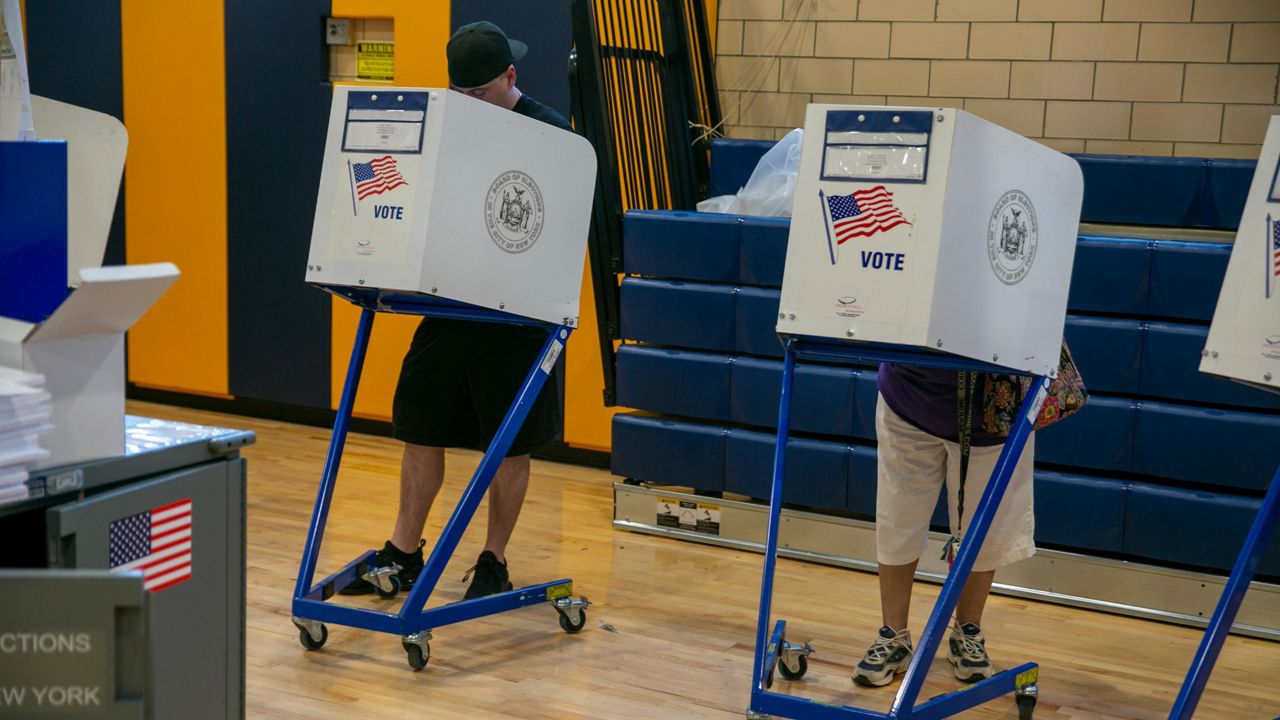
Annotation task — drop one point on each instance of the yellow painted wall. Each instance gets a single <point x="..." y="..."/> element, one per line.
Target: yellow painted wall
<point x="421" y="31"/>
<point x="176" y="188"/>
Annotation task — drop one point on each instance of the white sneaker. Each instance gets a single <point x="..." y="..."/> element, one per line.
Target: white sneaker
<point x="967" y="650"/>
<point x="887" y="656"/>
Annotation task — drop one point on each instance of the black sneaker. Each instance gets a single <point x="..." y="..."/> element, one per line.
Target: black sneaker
<point x="488" y="577"/>
<point x="406" y="566"/>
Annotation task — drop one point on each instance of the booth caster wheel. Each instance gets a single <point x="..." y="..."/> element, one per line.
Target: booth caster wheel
<point x="572" y="612"/>
<point x="792" y="661"/>
<point x="417" y="648"/>
<point x="385" y="580"/>
<point x="1026" y="706"/>
<point x="392" y="589"/>
<point x="568" y="625"/>
<point x="311" y="634"/>
<point x="801" y="667"/>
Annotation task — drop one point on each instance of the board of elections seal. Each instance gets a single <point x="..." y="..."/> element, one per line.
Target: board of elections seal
<point x="1012" y="236"/>
<point x="513" y="211"/>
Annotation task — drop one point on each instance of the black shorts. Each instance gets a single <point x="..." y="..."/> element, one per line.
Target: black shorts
<point x="459" y="379"/>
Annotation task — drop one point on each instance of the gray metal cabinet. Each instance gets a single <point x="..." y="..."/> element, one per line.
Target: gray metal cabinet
<point x="174" y="478"/>
<point x="198" y="622"/>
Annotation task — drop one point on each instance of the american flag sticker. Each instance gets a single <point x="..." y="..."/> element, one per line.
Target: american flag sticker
<point x="862" y="213"/>
<point x="155" y="541"/>
<point x="375" y="177"/>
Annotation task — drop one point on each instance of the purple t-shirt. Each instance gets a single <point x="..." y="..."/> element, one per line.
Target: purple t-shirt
<point x="927" y="398"/>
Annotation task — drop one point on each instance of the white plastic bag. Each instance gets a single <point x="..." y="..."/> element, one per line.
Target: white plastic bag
<point x="771" y="189"/>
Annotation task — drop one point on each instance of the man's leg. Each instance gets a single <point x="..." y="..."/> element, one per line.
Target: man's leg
<point x="421" y="475"/>
<point x="895" y="593"/>
<point x="910" y="468"/>
<point x="974" y="597"/>
<point x="506" y="497"/>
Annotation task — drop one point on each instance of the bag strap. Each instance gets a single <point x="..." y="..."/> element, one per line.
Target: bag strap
<point x="966" y="383"/>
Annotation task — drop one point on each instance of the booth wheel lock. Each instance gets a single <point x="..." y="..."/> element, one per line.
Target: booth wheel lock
<point x="793" y="660"/>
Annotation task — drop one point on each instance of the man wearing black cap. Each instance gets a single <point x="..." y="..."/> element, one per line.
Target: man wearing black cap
<point x="481" y="64"/>
<point x="459" y="378"/>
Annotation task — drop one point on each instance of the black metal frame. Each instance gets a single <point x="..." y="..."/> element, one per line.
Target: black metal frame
<point x="642" y="90"/>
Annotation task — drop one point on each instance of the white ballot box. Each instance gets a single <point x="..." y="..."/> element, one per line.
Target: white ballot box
<point x="1244" y="339"/>
<point x="931" y="228"/>
<point x="79" y="350"/>
<point x="431" y="191"/>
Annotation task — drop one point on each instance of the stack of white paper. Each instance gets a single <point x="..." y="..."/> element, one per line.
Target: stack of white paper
<point x="25" y="410"/>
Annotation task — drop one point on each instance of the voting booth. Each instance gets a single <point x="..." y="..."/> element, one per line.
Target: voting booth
<point x="924" y="237"/>
<point x="1244" y="339"/>
<point x="433" y="203"/>
<point x="1244" y="345"/>
<point x="431" y="191"/>
<point x="931" y="228"/>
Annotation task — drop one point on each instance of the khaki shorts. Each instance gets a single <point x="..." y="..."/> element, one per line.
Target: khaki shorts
<point x="911" y="468"/>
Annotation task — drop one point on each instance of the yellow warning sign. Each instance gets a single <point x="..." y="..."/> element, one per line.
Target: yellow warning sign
<point x="559" y="591"/>
<point x="376" y="61"/>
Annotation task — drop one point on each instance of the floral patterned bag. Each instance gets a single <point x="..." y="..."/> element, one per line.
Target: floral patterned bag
<point x="1002" y="396"/>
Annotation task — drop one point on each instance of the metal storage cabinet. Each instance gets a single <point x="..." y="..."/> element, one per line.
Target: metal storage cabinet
<point x="198" y="623"/>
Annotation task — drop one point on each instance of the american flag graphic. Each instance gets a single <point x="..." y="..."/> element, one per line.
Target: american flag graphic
<point x="1273" y="257"/>
<point x="157" y="542"/>
<point x="376" y="176"/>
<point x="863" y="213"/>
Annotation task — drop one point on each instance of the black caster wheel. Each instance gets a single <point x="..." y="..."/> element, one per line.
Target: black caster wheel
<point x="570" y="626"/>
<point x="311" y="643"/>
<point x="395" y="588"/>
<point x="418" y="655"/>
<point x="802" y="667"/>
<point x="1026" y="706"/>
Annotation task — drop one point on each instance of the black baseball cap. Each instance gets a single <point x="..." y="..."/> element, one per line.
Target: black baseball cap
<point x="479" y="52"/>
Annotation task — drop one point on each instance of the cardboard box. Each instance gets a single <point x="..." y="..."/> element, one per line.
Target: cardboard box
<point x="80" y="351"/>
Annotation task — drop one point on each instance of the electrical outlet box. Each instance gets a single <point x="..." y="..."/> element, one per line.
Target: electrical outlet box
<point x="337" y="31"/>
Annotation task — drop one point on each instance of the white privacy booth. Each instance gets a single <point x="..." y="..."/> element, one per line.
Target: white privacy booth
<point x="1244" y="345"/>
<point x="931" y="228"/>
<point x="1244" y="338"/>
<point x="433" y="203"/>
<point x="431" y="191"/>
<point x="928" y="237"/>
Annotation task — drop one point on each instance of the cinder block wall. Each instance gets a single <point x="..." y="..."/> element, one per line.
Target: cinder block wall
<point x="1141" y="77"/>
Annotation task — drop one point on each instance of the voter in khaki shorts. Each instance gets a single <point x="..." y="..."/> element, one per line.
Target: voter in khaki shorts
<point x="459" y="377"/>
<point x="918" y="448"/>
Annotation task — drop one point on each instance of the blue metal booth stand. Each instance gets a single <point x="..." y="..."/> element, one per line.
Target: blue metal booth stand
<point x="413" y="623"/>
<point x="773" y="652"/>
<point x="1264" y="526"/>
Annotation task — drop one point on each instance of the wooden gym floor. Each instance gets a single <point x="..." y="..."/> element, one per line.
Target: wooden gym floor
<point x="671" y="630"/>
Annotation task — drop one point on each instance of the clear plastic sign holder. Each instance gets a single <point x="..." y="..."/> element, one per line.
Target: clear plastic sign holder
<point x="774" y="653"/>
<point x="413" y="623"/>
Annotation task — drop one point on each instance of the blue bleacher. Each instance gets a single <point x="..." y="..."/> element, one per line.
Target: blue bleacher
<point x="1158" y="442"/>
